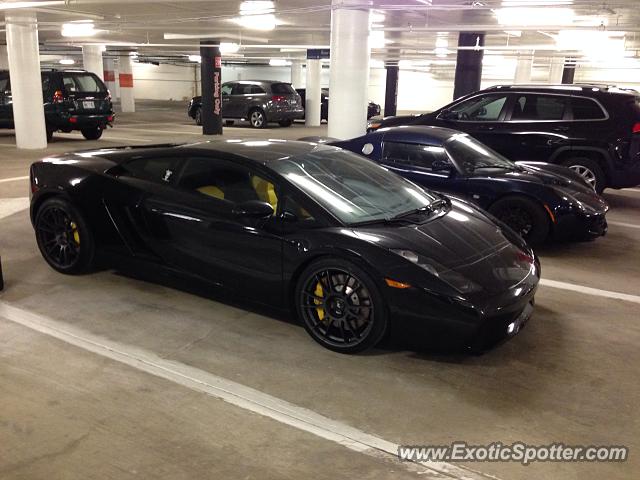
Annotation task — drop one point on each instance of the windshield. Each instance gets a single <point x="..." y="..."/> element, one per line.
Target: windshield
<point x="351" y="187"/>
<point x="471" y="155"/>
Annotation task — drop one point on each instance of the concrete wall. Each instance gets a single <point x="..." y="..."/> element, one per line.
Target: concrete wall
<point x="164" y="82"/>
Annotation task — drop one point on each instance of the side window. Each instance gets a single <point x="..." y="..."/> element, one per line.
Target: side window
<point x="586" y="109"/>
<point x="256" y="89"/>
<point x="226" y="89"/>
<point x="422" y="156"/>
<point x="159" y="170"/>
<point x="293" y="211"/>
<point x="228" y="181"/>
<point x="486" y="108"/>
<point x="237" y="89"/>
<point x="5" y="88"/>
<point x="539" y="107"/>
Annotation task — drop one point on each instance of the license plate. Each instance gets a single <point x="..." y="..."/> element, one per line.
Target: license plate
<point x="88" y="104"/>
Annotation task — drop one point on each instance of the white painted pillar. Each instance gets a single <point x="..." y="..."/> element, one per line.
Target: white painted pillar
<point x="349" y="75"/>
<point x="92" y="59"/>
<point x="26" y="84"/>
<point x="125" y="79"/>
<point x="4" y="58"/>
<point x="296" y="74"/>
<point x="524" y="65"/>
<point x="312" y="107"/>
<point x="110" y="76"/>
<point x="555" y="70"/>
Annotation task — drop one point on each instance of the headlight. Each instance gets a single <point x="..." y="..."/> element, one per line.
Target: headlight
<point x="451" y="277"/>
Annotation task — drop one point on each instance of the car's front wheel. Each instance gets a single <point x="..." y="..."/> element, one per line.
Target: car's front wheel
<point x="526" y="217"/>
<point x="589" y="170"/>
<point x="257" y="118"/>
<point x="340" y="306"/>
<point x="92" y="133"/>
<point x="64" y="237"/>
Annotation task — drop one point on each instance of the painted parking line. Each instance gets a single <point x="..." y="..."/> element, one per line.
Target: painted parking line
<point x="637" y="190"/>
<point x="153" y="131"/>
<point x="590" y="291"/>
<point x="10" y="206"/>
<point x="623" y="224"/>
<point x="235" y="394"/>
<point x="14" y="179"/>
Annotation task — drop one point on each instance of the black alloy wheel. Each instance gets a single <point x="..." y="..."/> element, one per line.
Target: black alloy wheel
<point x="63" y="237"/>
<point x="340" y="306"/>
<point x="92" y="133"/>
<point x="524" y="216"/>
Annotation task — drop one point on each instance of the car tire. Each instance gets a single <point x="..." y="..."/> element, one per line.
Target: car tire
<point x="64" y="237"/>
<point x="285" y="123"/>
<point x="524" y="216"/>
<point x="49" y="135"/>
<point x="92" y="133"/>
<point x="346" y="317"/>
<point x="198" y="116"/>
<point x="589" y="170"/>
<point x="257" y="118"/>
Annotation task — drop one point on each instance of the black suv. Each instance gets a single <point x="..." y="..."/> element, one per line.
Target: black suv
<point x="593" y="129"/>
<point x="73" y="100"/>
<point x="258" y="101"/>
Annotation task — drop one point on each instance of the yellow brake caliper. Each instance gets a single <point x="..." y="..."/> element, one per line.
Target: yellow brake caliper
<point x="76" y="234"/>
<point x="319" y="293"/>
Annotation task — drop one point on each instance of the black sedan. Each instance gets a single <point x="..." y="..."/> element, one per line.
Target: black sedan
<point x="537" y="200"/>
<point x="354" y="248"/>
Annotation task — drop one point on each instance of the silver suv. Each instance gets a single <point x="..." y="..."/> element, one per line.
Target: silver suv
<point x="258" y="101"/>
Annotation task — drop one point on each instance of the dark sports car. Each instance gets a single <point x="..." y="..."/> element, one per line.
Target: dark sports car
<point x="354" y="248"/>
<point x="537" y="200"/>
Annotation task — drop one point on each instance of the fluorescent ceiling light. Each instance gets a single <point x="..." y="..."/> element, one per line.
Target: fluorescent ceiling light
<point x="279" y="62"/>
<point x="256" y="7"/>
<point x="229" y="47"/>
<point x="442" y="43"/>
<point x="522" y="16"/>
<point x="195" y="58"/>
<point x="377" y="39"/>
<point x="78" y="29"/>
<point x="257" y="22"/>
<point x="14" y="5"/>
<point x="67" y="61"/>
<point x="595" y="44"/>
<point x="375" y="63"/>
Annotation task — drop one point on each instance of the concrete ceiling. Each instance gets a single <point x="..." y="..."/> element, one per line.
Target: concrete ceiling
<point x="413" y="29"/>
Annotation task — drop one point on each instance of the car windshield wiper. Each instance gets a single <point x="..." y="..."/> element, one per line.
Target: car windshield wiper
<point x="431" y="208"/>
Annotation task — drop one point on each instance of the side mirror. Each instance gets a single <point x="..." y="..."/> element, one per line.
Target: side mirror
<point x="447" y="115"/>
<point x="253" y="209"/>
<point x="441" y="165"/>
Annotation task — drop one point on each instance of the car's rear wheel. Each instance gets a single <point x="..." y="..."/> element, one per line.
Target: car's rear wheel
<point x="49" y="135"/>
<point x="589" y="170"/>
<point x="526" y="217"/>
<point x="198" y="116"/>
<point x="257" y="118"/>
<point x="340" y="306"/>
<point x="285" y="123"/>
<point x="64" y="237"/>
<point x="92" y="133"/>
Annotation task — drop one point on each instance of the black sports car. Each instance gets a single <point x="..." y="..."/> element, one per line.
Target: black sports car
<point x="537" y="200"/>
<point x="353" y="247"/>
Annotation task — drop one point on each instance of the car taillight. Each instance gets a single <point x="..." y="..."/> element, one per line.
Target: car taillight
<point x="277" y="98"/>
<point x="58" y="97"/>
<point x="636" y="128"/>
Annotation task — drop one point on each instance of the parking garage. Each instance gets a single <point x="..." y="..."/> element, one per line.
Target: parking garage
<point x="178" y="361"/>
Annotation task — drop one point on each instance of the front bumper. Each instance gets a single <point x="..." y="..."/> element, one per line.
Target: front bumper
<point x="581" y="226"/>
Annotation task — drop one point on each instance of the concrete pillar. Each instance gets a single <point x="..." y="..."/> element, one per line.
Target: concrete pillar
<point x="92" y="59"/>
<point x="391" y="91"/>
<point x="296" y="74"/>
<point x="313" y="100"/>
<point x="569" y="71"/>
<point x="468" y="64"/>
<point x="109" y="76"/>
<point x="125" y="80"/>
<point x="26" y="82"/>
<point x="349" y="74"/>
<point x="4" y="58"/>
<point x="524" y="65"/>
<point x="556" y="69"/>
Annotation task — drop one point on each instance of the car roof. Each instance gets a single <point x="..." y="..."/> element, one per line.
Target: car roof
<point x="259" y="82"/>
<point x="418" y="133"/>
<point x="589" y="89"/>
<point x="263" y="151"/>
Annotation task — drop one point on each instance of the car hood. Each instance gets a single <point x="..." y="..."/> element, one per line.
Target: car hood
<point x="466" y="242"/>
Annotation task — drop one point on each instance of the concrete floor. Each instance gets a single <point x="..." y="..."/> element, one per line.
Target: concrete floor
<point x="66" y="413"/>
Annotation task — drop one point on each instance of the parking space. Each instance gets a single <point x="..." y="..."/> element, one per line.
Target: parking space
<point x="79" y="410"/>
